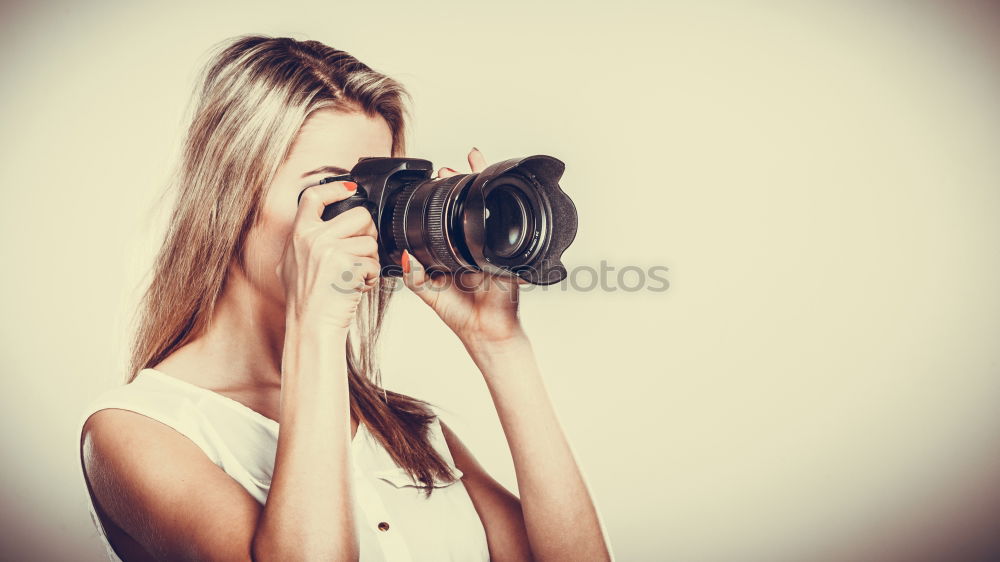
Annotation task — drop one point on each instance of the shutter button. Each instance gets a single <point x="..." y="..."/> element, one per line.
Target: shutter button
<point x="383" y="526"/>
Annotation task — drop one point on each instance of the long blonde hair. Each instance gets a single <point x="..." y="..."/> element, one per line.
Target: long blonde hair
<point x="252" y="97"/>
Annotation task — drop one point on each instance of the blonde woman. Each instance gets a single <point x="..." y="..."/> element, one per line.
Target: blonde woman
<point x="239" y="330"/>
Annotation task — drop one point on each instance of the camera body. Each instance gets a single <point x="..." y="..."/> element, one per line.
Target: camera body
<point x="510" y="219"/>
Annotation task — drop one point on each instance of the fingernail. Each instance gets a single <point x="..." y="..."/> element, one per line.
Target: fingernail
<point x="350" y="185"/>
<point x="450" y="170"/>
<point x="476" y="149"/>
<point x="406" y="261"/>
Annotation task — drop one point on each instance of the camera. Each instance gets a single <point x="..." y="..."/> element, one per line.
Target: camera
<point x="511" y="219"/>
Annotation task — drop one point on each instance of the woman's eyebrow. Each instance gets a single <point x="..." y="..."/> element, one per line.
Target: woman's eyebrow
<point x="327" y="169"/>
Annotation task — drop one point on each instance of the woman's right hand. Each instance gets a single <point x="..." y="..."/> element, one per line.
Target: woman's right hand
<point x="327" y="266"/>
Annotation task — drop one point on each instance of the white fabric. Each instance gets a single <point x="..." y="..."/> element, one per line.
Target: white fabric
<point x="243" y="443"/>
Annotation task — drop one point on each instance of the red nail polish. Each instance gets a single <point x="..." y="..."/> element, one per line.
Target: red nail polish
<point x="450" y="170"/>
<point x="406" y="261"/>
<point x="350" y="185"/>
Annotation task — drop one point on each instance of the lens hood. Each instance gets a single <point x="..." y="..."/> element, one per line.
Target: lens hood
<point x="552" y="228"/>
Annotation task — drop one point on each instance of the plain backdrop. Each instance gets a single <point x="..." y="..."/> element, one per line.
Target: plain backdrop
<point x="820" y="180"/>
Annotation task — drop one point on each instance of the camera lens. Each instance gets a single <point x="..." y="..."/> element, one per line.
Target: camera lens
<point x="457" y="223"/>
<point x="425" y="220"/>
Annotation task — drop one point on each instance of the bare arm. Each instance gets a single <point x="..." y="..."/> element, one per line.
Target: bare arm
<point x="497" y="507"/>
<point x="309" y="513"/>
<point x="555" y="515"/>
<point x="163" y="491"/>
<point x="310" y="508"/>
<point x="560" y="520"/>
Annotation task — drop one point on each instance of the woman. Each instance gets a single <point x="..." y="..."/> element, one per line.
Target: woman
<point x="242" y="327"/>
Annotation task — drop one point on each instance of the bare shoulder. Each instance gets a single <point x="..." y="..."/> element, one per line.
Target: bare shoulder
<point x="110" y="431"/>
<point x="115" y="442"/>
<point x="153" y="483"/>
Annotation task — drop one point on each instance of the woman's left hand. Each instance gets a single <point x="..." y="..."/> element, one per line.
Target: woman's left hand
<point x="478" y="307"/>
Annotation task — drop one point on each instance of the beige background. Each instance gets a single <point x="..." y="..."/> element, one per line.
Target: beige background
<point x="820" y="178"/>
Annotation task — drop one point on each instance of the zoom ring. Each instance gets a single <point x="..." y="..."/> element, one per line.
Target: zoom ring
<point x="436" y="225"/>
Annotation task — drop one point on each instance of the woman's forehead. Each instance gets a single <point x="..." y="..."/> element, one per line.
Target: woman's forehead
<point x="339" y="138"/>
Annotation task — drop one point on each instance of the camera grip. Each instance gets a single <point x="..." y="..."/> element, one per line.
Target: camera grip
<point x="358" y="199"/>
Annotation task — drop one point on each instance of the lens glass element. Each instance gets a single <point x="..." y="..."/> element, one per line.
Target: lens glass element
<point x="508" y="220"/>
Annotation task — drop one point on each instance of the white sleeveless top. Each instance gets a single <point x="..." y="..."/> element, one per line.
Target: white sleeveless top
<point x="395" y="522"/>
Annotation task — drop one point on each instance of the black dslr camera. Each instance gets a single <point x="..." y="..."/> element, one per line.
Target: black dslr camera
<point x="510" y="219"/>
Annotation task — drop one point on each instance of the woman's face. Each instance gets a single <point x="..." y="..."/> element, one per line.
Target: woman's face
<point x="328" y="140"/>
